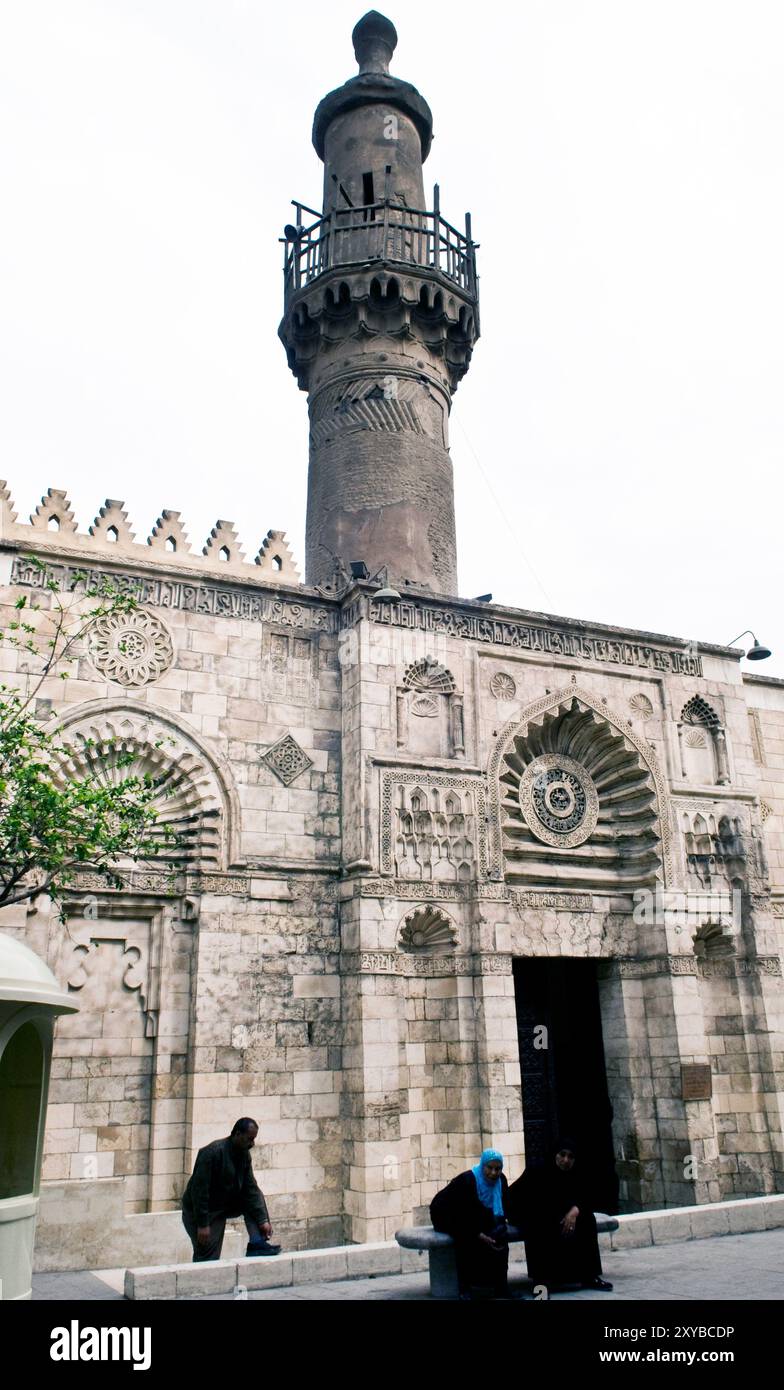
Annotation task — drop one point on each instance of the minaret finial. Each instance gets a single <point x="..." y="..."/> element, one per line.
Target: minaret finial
<point x="375" y="40"/>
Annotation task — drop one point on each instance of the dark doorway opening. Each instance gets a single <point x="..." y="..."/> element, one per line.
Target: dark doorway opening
<point x="559" y="1029"/>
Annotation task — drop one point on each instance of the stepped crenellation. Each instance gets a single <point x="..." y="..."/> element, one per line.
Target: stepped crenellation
<point x="110" y="534"/>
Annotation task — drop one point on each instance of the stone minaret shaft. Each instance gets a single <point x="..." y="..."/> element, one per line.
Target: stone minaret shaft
<point x="381" y="315"/>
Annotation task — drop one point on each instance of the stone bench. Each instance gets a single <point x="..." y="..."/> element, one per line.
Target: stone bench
<point x="441" y="1251"/>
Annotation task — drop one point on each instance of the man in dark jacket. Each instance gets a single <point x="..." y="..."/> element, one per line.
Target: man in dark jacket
<point x="222" y="1185"/>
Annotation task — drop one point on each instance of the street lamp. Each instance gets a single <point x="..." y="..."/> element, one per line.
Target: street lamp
<point x="755" y="653"/>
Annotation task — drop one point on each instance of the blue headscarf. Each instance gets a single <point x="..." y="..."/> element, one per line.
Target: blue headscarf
<point x="490" y="1193"/>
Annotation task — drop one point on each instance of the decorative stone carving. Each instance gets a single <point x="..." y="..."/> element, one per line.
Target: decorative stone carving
<point x="424" y="707"/>
<point x="630" y="835"/>
<point x="703" y="743"/>
<point x="389" y="405"/>
<point x="276" y="560"/>
<point x="112" y="960"/>
<point x="698" y="711"/>
<point x="555" y="641"/>
<point x="432" y="827"/>
<point x="641" y="706"/>
<point x="657" y="965"/>
<point x="429" y="675"/>
<point x="287" y="760"/>
<point x="713" y="940"/>
<point x="54" y="513"/>
<point x="757" y="744"/>
<point x="111" y="524"/>
<point x="695" y="739"/>
<point x="502" y="686"/>
<point x="223" y="544"/>
<point x="190" y="595"/>
<point x="7" y="510"/>
<point x="427" y="929"/>
<point x="189" y="797"/>
<point x="168" y="534"/>
<point x="765" y="811"/>
<point x="131" y="648"/>
<point x="428" y="691"/>
<point x="559" y="801"/>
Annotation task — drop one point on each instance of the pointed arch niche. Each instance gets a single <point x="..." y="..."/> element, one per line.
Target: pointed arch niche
<point x="577" y="799"/>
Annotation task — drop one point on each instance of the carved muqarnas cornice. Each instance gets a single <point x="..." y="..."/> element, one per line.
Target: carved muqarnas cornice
<point x="361" y="303"/>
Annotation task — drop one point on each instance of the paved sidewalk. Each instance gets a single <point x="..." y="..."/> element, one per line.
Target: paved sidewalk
<point x="748" y="1267"/>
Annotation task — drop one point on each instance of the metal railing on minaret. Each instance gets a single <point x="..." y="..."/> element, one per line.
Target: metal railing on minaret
<point x="380" y="232"/>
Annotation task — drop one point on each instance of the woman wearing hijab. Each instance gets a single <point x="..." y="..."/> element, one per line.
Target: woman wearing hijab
<point x="552" y="1205"/>
<point x="472" y="1209"/>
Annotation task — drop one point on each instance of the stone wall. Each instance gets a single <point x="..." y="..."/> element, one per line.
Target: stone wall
<point x="336" y="958"/>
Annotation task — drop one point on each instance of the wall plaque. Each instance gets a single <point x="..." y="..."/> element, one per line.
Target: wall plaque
<point x="696" y="1081"/>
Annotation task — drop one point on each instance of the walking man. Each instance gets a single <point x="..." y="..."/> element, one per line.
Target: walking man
<point x="222" y="1185"/>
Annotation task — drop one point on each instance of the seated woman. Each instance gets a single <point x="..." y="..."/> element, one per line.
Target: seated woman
<point x="472" y="1209"/>
<point x="551" y="1204"/>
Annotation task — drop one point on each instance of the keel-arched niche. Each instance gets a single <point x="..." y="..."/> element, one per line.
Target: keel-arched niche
<point x="196" y="797"/>
<point x="577" y="799"/>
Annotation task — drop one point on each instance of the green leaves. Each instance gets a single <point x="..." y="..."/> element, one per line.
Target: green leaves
<point x="51" y="825"/>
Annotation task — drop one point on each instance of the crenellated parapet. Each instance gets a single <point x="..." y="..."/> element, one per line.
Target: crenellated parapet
<point x="53" y="527"/>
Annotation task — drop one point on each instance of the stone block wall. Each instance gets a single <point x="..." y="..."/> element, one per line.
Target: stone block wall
<point x="336" y="959"/>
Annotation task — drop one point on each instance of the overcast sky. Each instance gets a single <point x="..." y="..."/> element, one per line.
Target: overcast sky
<point x="619" y="440"/>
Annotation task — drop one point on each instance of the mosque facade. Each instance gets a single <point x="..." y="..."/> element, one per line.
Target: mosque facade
<point x="454" y="873"/>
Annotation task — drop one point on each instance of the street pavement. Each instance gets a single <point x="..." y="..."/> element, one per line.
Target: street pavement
<point x="748" y="1267"/>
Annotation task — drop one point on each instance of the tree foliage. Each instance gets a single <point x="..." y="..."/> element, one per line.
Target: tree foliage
<point x="51" y="825"/>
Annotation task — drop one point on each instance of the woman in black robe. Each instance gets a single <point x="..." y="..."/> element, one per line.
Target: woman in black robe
<point x="472" y="1210"/>
<point x="552" y="1205"/>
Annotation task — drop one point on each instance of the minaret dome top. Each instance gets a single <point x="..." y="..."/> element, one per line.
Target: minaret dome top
<point x="375" y="40"/>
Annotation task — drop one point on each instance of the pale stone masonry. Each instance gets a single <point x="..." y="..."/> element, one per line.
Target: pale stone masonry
<point x="399" y="805"/>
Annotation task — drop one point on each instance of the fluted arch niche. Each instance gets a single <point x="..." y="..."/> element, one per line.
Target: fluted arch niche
<point x="111" y="743"/>
<point x="577" y="799"/>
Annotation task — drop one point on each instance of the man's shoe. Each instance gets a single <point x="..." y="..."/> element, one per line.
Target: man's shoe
<point x="599" y="1283"/>
<point x="261" y="1247"/>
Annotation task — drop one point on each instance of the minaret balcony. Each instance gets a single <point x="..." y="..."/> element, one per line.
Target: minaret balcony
<point x="383" y="233"/>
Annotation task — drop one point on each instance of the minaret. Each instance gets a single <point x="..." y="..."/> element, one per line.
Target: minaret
<point x="380" y="318"/>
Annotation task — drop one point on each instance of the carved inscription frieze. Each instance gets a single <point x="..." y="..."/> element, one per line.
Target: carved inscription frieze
<point x="552" y="641"/>
<point x="521" y="898"/>
<point x="399" y="963"/>
<point x="217" y="600"/>
<point x="657" y="965"/>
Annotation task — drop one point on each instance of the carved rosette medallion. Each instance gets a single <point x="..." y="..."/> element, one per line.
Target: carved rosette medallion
<point x="131" y="648"/>
<point x="502" y="686"/>
<point x="559" y="800"/>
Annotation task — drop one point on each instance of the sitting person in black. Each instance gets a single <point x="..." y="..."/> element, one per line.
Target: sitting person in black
<point x="472" y="1209"/>
<point x="552" y="1206"/>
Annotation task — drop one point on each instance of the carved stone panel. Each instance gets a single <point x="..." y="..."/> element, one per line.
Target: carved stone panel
<point x="432" y="826"/>
<point x="287" y="760"/>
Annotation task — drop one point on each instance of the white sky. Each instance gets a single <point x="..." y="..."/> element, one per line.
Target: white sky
<point x="619" y="438"/>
